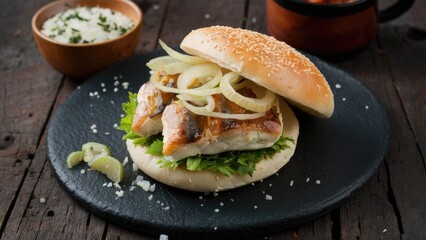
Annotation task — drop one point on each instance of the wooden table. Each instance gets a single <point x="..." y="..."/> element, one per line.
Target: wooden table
<point x="392" y="205"/>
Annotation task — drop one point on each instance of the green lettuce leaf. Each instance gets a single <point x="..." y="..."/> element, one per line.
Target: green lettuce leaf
<point x="227" y="163"/>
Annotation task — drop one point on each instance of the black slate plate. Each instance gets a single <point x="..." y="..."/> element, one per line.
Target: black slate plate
<point x="337" y="156"/>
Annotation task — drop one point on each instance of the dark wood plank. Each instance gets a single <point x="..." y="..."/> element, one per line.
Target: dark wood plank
<point x="186" y="15"/>
<point x="154" y="13"/>
<point x="406" y="164"/>
<point x="28" y="89"/>
<point x="389" y="214"/>
<point x="404" y="45"/>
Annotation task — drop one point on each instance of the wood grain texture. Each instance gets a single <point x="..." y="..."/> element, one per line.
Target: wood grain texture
<point x="406" y="168"/>
<point x="186" y="15"/>
<point x="390" y="206"/>
<point x="27" y="93"/>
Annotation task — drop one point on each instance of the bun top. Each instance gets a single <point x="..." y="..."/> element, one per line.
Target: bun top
<point x="266" y="61"/>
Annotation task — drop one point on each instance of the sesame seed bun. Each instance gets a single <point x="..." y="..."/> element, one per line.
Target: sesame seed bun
<point x="207" y="181"/>
<point x="267" y="62"/>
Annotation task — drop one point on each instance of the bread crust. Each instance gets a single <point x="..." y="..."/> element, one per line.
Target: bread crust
<point x="206" y="181"/>
<point x="266" y="61"/>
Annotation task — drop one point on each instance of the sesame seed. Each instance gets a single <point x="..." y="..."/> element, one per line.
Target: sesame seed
<point x="221" y="204"/>
<point x="216" y="210"/>
<point x="307" y="179"/>
<point x="338" y="86"/>
<point x="385" y="230"/>
<point x="207" y="16"/>
<point x="343" y="99"/>
<point x="367" y="107"/>
<point x="125" y="161"/>
<point x="102" y="84"/>
<point x="115" y="89"/>
<point x="268" y="197"/>
<point x="42" y="200"/>
<point x="135" y="167"/>
<point x="318" y="182"/>
<point x="255" y="206"/>
<point x="82" y="171"/>
<point x="109" y="184"/>
<point x="291" y="183"/>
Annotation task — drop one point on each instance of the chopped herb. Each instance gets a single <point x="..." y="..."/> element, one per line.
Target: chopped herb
<point x="71" y="16"/>
<point x="102" y="18"/>
<point x="81" y="18"/>
<point x="75" y="30"/>
<point x="122" y="30"/>
<point x="75" y="39"/>
<point x="105" y="27"/>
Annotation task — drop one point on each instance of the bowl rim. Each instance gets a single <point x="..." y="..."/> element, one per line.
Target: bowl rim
<point x="37" y="31"/>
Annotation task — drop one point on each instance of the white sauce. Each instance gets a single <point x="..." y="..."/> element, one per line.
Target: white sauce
<point x="86" y="25"/>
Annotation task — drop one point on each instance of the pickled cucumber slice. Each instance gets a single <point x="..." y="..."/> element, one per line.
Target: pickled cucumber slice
<point x="74" y="158"/>
<point x="92" y="150"/>
<point x="110" y="167"/>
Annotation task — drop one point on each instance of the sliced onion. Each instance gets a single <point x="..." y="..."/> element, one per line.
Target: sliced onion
<point x="253" y="104"/>
<point x="196" y="92"/>
<point x="204" y="112"/>
<point x="208" y="102"/>
<point x="167" y="64"/>
<point x="180" y="56"/>
<point x="200" y="72"/>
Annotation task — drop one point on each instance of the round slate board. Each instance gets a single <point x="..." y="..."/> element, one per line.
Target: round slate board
<point x="333" y="158"/>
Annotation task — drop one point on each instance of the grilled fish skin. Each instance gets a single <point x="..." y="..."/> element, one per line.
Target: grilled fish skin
<point x="187" y="134"/>
<point x="151" y="104"/>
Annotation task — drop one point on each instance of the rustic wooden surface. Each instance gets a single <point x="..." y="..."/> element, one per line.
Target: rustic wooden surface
<point x="392" y="205"/>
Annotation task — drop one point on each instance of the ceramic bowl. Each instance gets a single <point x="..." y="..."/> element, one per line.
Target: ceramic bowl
<point x="83" y="60"/>
<point x="328" y="29"/>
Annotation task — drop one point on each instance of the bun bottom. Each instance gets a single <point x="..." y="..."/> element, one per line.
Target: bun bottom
<point x="206" y="181"/>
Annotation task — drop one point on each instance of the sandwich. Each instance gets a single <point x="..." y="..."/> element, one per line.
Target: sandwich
<point x="216" y="117"/>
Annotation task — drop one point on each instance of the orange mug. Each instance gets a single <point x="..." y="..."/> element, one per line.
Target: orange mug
<point x="329" y="29"/>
